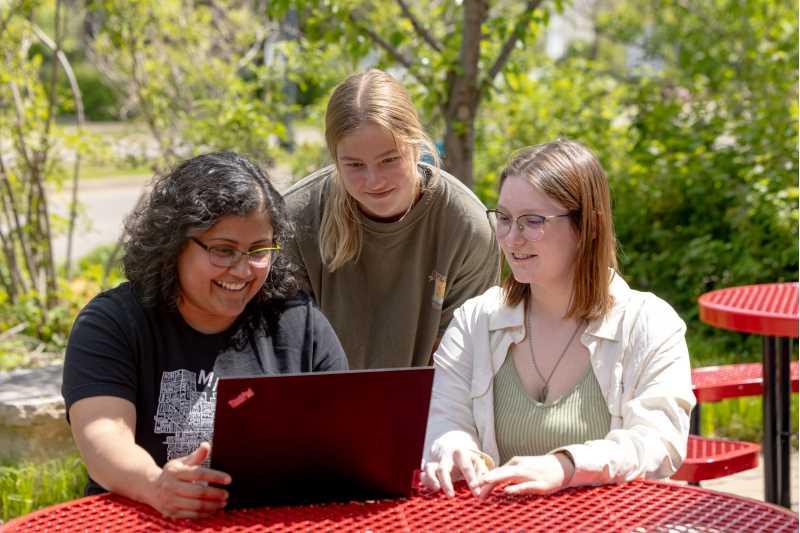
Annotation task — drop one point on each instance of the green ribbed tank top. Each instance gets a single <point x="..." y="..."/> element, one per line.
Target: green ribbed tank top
<point x="524" y="426"/>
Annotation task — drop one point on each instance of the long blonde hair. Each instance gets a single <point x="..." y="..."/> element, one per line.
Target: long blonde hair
<point x="570" y="174"/>
<point x="368" y="97"/>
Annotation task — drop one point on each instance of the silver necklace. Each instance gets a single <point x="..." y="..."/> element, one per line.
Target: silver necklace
<point x="546" y="388"/>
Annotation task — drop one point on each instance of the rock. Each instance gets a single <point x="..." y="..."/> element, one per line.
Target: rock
<point x="33" y="425"/>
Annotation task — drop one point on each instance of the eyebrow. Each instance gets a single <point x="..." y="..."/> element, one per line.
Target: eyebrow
<point x="383" y="154"/>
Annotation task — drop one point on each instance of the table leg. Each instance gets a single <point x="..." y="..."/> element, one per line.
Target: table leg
<point x="694" y="420"/>
<point x="782" y="380"/>
<point x="770" y="422"/>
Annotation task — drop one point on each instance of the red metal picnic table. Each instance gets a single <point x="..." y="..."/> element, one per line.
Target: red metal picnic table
<point x="636" y="506"/>
<point x="770" y="310"/>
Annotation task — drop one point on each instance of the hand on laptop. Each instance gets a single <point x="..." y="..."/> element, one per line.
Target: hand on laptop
<point x="182" y="489"/>
<point x="460" y="463"/>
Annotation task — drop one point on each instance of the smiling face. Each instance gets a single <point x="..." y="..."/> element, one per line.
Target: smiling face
<point x="549" y="260"/>
<point x="380" y="175"/>
<point x="212" y="297"/>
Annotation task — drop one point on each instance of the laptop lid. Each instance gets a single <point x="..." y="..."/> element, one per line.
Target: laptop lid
<point x="336" y="436"/>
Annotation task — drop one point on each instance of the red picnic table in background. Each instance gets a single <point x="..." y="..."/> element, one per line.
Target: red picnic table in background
<point x="770" y="310"/>
<point x="637" y="506"/>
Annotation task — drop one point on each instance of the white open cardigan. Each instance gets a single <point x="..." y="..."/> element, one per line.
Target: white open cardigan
<point x="638" y="353"/>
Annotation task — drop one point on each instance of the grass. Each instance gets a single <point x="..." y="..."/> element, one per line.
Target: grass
<point x="741" y="419"/>
<point x="29" y="486"/>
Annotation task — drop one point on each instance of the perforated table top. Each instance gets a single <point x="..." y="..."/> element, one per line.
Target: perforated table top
<point x="632" y="507"/>
<point x="768" y="309"/>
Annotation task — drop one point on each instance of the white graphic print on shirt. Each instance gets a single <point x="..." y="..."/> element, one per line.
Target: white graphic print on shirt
<point x="185" y="413"/>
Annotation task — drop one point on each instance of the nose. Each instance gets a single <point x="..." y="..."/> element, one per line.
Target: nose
<point x="241" y="268"/>
<point x="514" y="235"/>
<point x="373" y="178"/>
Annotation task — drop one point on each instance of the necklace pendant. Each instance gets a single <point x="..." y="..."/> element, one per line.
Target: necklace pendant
<point x="543" y="394"/>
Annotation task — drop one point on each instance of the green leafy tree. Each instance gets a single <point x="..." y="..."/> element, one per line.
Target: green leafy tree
<point x="450" y="52"/>
<point x="197" y="73"/>
<point x="692" y="108"/>
<point x="709" y="197"/>
<point x="31" y="156"/>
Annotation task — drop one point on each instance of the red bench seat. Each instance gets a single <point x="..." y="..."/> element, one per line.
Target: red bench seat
<point x="715" y="383"/>
<point x="713" y="458"/>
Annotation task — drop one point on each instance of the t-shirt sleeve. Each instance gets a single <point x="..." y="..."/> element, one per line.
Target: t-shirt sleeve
<point x="99" y="359"/>
<point x="328" y="353"/>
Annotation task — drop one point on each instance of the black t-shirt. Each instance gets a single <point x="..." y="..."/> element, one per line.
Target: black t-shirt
<point x="169" y="371"/>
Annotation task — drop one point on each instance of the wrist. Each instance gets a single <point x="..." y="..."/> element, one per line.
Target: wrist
<point x="567" y="465"/>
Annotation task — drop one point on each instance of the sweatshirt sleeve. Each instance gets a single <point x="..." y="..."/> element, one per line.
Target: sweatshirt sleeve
<point x="328" y="352"/>
<point x="479" y="270"/>
<point x="292" y="252"/>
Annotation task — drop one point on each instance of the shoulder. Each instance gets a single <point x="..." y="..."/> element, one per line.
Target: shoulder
<point x="121" y="303"/>
<point x="484" y="307"/>
<point x="289" y="313"/>
<point x="650" y="319"/>
<point x="309" y="188"/>
<point x="458" y="207"/>
<point x="458" y="196"/>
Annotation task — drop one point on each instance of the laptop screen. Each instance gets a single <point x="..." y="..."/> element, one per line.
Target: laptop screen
<point x="318" y="437"/>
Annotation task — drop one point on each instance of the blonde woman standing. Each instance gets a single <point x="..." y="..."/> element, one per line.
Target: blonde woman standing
<point x="389" y="246"/>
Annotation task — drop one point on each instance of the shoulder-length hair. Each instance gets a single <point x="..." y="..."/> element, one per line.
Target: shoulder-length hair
<point x="189" y="199"/>
<point x="569" y="173"/>
<point x="369" y="97"/>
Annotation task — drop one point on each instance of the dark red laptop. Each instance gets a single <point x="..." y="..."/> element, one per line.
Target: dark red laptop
<point x="307" y="438"/>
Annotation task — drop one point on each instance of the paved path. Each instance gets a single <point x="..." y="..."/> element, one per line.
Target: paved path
<point x="104" y="205"/>
<point x="750" y="483"/>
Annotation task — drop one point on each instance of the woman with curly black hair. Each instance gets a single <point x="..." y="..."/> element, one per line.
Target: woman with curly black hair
<point x="209" y="295"/>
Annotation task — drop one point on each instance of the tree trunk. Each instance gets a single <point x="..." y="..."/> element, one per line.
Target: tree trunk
<point x="464" y="96"/>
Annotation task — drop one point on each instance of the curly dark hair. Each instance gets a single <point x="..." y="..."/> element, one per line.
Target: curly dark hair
<point x="193" y="197"/>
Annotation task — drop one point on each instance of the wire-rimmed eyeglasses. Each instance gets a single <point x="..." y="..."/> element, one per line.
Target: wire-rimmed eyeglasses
<point x="227" y="256"/>
<point x="530" y="225"/>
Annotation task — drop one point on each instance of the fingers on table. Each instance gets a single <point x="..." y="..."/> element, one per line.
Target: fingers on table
<point x="529" y="487"/>
<point x="181" y="507"/>
<point x="201" y="473"/>
<point x="429" y="477"/>
<point x="470" y="466"/>
<point x="502" y="474"/>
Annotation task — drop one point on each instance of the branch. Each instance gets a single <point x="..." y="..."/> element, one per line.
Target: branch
<point x="76" y="94"/>
<point x="6" y="19"/>
<point x="511" y="42"/>
<point x="17" y="227"/>
<point x="391" y="50"/>
<point x="419" y="28"/>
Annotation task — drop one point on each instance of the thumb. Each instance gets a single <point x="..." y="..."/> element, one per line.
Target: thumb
<point x="199" y="455"/>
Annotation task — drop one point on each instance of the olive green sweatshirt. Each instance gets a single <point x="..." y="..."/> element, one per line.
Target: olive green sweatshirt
<point x="391" y="306"/>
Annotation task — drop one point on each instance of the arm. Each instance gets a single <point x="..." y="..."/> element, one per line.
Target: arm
<point x="103" y="429"/>
<point x="651" y="441"/>
<point x="291" y="251"/>
<point x="328" y="353"/>
<point x="451" y="442"/>
<point x="479" y="269"/>
<point x="100" y="390"/>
